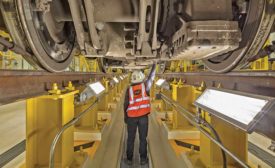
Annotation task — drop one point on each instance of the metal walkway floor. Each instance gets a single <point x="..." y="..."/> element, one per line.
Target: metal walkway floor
<point x="136" y="160"/>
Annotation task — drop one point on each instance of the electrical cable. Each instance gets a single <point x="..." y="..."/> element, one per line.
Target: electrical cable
<point x="186" y="114"/>
<point x="208" y="125"/>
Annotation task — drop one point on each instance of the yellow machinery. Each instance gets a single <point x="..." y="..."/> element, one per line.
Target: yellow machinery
<point x="45" y="117"/>
<point x="209" y="154"/>
<point x="82" y="64"/>
<point x="180" y="130"/>
<point x="263" y="63"/>
<point x="48" y="114"/>
<point x="177" y="128"/>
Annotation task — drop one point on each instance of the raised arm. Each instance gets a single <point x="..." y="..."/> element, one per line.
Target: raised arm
<point x="151" y="78"/>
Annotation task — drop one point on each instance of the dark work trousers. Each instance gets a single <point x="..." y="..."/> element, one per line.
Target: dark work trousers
<point x="142" y="124"/>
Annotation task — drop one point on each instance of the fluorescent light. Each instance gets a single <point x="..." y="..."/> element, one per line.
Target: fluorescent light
<point x="115" y="79"/>
<point x="92" y="89"/>
<point x="237" y="108"/>
<point x="249" y="112"/>
<point x="97" y="88"/>
<point x="160" y="82"/>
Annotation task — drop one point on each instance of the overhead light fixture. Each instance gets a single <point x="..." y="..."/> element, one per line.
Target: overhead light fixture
<point x="97" y="88"/>
<point x="92" y="89"/>
<point x="246" y="111"/>
<point x="115" y="80"/>
<point x="162" y="83"/>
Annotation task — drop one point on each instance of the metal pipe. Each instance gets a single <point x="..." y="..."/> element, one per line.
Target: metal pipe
<point x="66" y="126"/>
<point x="89" y="6"/>
<point x="13" y="47"/>
<point x="155" y="25"/>
<point x="142" y="20"/>
<point x="185" y="112"/>
<point x="76" y="15"/>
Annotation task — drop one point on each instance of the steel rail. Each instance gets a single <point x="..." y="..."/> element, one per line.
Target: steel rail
<point x="255" y="82"/>
<point x="21" y="84"/>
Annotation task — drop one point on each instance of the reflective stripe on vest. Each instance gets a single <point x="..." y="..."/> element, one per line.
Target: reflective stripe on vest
<point x="139" y="100"/>
<point x="138" y="106"/>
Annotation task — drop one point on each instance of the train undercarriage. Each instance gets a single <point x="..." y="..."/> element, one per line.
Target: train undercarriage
<point x="224" y="34"/>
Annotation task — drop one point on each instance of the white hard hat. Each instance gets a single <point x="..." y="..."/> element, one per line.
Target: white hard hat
<point x="137" y="77"/>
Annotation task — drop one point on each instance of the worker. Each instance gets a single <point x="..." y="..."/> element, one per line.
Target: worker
<point x="136" y="110"/>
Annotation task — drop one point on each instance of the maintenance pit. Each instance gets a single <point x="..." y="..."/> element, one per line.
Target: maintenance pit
<point x="92" y="133"/>
<point x="67" y="67"/>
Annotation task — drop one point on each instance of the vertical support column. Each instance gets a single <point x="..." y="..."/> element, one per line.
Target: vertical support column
<point x="103" y="104"/>
<point x="107" y="90"/>
<point x="180" y="66"/>
<point x="185" y="98"/>
<point x="174" y="90"/>
<point x="106" y="85"/>
<point x="45" y="117"/>
<point x="185" y="66"/>
<point x="175" y="98"/>
<point x="120" y="87"/>
<point x="111" y="93"/>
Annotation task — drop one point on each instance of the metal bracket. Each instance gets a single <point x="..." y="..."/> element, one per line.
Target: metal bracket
<point x="155" y="24"/>
<point x="76" y="15"/>
<point x="142" y="34"/>
<point x="91" y="22"/>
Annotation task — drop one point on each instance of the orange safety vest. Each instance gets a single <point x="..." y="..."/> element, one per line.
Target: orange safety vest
<point x="139" y="101"/>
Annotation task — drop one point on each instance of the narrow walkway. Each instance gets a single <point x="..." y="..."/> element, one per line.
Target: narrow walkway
<point x="109" y="153"/>
<point x="136" y="160"/>
<point x="162" y="154"/>
<point x="110" y="149"/>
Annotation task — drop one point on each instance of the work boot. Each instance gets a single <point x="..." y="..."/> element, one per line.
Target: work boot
<point x="143" y="161"/>
<point x="129" y="162"/>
